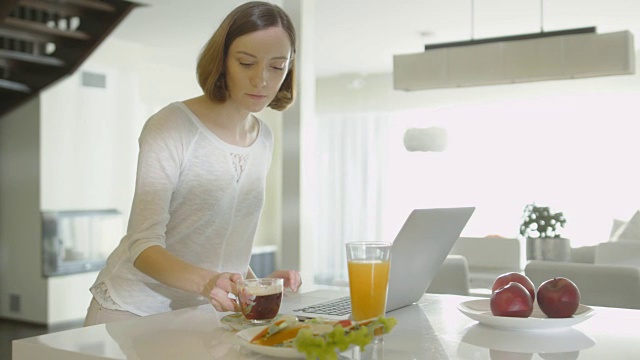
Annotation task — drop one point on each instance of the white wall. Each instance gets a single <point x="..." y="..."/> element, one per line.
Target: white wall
<point x="20" y="232"/>
<point x="68" y="298"/>
<point x="269" y="230"/>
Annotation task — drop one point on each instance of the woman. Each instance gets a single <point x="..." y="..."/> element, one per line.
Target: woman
<point x="201" y="177"/>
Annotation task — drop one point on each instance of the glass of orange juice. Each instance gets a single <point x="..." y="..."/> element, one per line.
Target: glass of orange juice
<point x="368" y="264"/>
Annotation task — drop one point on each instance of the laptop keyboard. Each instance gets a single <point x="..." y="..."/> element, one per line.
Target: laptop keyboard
<point x="337" y="307"/>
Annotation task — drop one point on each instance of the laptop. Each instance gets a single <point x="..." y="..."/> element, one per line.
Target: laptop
<point x="418" y="251"/>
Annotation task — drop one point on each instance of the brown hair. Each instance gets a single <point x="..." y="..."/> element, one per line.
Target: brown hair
<point x="244" y="19"/>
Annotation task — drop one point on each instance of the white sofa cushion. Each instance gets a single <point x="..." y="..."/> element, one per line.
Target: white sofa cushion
<point x="629" y="230"/>
<point x="584" y="254"/>
<point x="487" y="258"/>
<point x="621" y="252"/>
<point x="599" y="285"/>
<point x="452" y="278"/>
<point x="489" y="252"/>
<point x="615" y="229"/>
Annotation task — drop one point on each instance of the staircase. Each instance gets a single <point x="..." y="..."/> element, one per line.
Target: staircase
<point x="42" y="41"/>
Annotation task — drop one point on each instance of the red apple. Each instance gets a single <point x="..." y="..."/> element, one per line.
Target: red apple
<point x="558" y="297"/>
<point x="511" y="300"/>
<point x="523" y="280"/>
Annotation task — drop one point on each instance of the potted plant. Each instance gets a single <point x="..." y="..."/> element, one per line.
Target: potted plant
<point x="541" y="227"/>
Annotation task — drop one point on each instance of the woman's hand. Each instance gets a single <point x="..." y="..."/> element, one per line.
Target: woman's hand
<point x="219" y="287"/>
<point x="291" y="278"/>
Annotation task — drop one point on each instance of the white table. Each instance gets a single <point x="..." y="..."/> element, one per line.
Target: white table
<point x="431" y="329"/>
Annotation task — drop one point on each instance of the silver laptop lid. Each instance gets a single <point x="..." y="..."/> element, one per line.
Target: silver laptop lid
<point x="419" y="249"/>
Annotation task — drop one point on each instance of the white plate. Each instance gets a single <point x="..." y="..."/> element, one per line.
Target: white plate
<point x="480" y="311"/>
<point x="246" y="335"/>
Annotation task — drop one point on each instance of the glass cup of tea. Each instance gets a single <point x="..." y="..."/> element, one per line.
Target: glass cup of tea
<point x="368" y="264"/>
<point x="260" y="299"/>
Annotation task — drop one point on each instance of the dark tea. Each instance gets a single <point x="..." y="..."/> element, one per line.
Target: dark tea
<point x="262" y="307"/>
<point x="260" y="299"/>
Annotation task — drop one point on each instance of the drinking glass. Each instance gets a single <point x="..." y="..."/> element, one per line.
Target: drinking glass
<point x="368" y="264"/>
<point x="260" y="299"/>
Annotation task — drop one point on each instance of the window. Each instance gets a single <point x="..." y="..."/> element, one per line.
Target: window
<point x="573" y="153"/>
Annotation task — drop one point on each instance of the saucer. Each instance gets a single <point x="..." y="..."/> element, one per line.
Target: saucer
<point x="237" y="322"/>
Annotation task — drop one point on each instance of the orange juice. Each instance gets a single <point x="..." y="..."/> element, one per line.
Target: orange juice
<point x="368" y="286"/>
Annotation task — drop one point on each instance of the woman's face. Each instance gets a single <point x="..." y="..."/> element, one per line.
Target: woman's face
<point x="256" y="66"/>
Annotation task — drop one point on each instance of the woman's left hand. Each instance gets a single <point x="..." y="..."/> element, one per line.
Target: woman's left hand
<point x="291" y="278"/>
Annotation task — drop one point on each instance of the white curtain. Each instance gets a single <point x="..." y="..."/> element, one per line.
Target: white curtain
<point x="351" y="157"/>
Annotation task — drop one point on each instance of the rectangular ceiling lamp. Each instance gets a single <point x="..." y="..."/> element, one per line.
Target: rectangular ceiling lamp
<point x="566" y="54"/>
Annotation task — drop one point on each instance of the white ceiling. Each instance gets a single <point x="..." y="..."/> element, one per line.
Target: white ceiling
<point x="361" y="36"/>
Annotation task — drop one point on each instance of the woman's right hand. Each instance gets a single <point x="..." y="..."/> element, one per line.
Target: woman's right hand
<point x="221" y="285"/>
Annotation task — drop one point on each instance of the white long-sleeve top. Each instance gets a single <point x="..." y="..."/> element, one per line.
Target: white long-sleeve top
<point x="197" y="196"/>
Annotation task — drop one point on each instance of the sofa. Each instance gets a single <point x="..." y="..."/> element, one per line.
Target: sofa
<point x="599" y="284"/>
<point x="452" y="277"/>
<point x="487" y="258"/>
<point x="607" y="274"/>
<point x="623" y="247"/>
<point x="621" y="252"/>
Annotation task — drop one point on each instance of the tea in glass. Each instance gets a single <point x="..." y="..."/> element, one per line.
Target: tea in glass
<point x="260" y="299"/>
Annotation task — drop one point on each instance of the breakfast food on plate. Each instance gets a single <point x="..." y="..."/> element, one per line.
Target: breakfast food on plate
<point x="278" y="333"/>
<point x="558" y="297"/>
<point x="320" y="339"/>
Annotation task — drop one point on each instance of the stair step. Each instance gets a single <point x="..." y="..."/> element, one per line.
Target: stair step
<point x="14" y="86"/>
<point x="35" y="59"/>
<point x="33" y="37"/>
<point x="68" y="8"/>
<point x="20" y="35"/>
<point x="40" y="28"/>
<point x="87" y="4"/>
<point x="5" y="8"/>
<point x="68" y="5"/>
